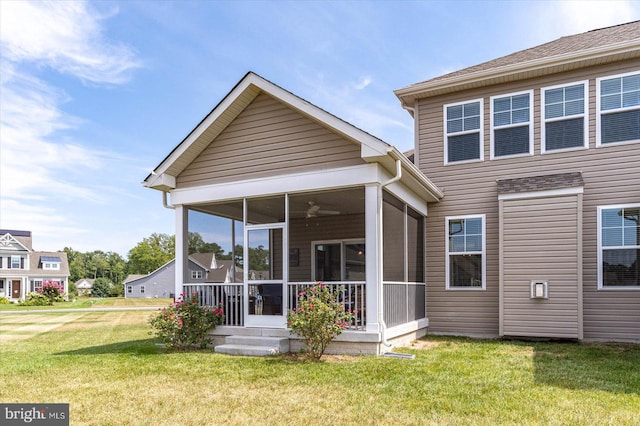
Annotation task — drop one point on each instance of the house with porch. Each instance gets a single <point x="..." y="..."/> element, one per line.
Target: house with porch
<point x="517" y="215"/>
<point x="24" y="270"/>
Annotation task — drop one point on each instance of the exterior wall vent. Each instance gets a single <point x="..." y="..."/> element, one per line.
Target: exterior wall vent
<point x="539" y="290"/>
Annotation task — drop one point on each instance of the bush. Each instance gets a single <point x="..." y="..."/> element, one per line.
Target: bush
<point x="101" y="287"/>
<point x="318" y="318"/>
<point x="37" y="299"/>
<point x="185" y="323"/>
<point x="52" y="292"/>
<point x="3" y="300"/>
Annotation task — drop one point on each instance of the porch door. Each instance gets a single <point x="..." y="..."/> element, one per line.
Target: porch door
<point x="15" y="289"/>
<point x="265" y="273"/>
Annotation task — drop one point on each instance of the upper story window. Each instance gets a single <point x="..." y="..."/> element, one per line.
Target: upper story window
<point x="16" y="262"/>
<point x="463" y="131"/>
<point x="512" y="125"/>
<point x="619" y="246"/>
<point x="465" y="245"/>
<point x="51" y="265"/>
<point x="564" y="111"/>
<point x="618" y="109"/>
<point x="196" y="275"/>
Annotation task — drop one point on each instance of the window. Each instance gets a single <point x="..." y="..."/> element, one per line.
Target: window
<point x="1" y="284"/>
<point x="51" y="265"/>
<point x="564" y="122"/>
<point x="36" y="285"/>
<point x="511" y="125"/>
<point x="141" y="289"/>
<point x="339" y="261"/>
<point x="196" y="275"/>
<point x="463" y="132"/>
<point x="129" y="289"/>
<point x="618" y="106"/>
<point x="465" y="242"/>
<point x="16" y="262"/>
<point x="619" y="246"/>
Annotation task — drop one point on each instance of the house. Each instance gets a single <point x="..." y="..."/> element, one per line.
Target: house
<point x="203" y="267"/>
<point x="538" y="154"/>
<point x="516" y="216"/>
<point x="24" y="270"/>
<point x="84" y="286"/>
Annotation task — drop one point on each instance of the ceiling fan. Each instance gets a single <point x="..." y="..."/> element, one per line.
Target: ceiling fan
<point x="314" y="210"/>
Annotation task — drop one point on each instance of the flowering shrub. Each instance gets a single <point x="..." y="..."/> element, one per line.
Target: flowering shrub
<point x="184" y="324"/>
<point x="318" y="318"/>
<point x="3" y="300"/>
<point x="52" y="291"/>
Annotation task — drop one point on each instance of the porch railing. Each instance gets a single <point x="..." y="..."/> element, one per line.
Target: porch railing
<point x="230" y="296"/>
<point x="403" y="302"/>
<point x="352" y="298"/>
<point x="215" y="294"/>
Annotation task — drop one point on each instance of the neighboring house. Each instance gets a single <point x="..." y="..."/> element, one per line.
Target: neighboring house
<point x="203" y="267"/>
<point x="24" y="270"/>
<point x="84" y="286"/>
<point x="517" y="214"/>
<point x="538" y="154"/>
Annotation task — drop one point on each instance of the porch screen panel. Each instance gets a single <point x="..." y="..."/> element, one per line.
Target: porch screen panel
<point x="328" y="262"/>
<point x="415" y="246"/>
<point x="393" y="238"/>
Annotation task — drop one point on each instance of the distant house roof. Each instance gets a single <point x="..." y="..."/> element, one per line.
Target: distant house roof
<point x="37" y="257"/>
<point x="540" y="183"/>
<point x="15" y="233"/>
<point x="133" y="277"/>
<point x="566" y="53"/>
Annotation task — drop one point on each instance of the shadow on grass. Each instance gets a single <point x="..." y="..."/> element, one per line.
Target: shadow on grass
<point x="133" y="347"/>
<point x="606" y="367"/>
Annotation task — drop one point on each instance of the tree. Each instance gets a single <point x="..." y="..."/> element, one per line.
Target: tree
<point x="198" y="245"/>
<point x="151" y="253"/>
<point x="101" y="287"/>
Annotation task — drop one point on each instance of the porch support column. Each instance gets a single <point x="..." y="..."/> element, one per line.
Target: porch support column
<point x="373" y="255"/>
<point x="182" y="243"/>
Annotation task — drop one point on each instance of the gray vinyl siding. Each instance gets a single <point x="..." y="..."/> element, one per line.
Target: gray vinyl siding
<point x="266" y="139"/>
<point x="611" y="175"/>
<point x="541" y="243"/>
<point x="161" y="282"/>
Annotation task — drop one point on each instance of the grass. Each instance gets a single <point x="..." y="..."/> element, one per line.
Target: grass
<point x="89" y="302"/>
<point x="111" y="372"/>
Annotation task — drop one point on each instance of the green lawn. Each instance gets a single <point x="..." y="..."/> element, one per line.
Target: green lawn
<point x="89" y="302"/>
<point x="111" y="372"/>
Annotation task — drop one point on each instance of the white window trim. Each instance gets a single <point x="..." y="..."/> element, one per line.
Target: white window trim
<point x="196" y="275"/>
<point x="129" y="289"/>
<point x="598" y="114"/>
<point x="142" y="289"/>
<point x="447" y="219"/>
<point x="19" y="261"/>
<point x="467" y="132"/>
<point x="599" y="225"/>
<point x="584" y="115"/>
<point x="491" y="127"/>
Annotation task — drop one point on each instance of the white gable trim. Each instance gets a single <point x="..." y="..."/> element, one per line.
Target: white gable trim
<point x="8" y="240"/>
<point x="239" y="97"/>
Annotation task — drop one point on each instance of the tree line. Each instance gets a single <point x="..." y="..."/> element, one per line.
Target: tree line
<point x="109" y="269"/>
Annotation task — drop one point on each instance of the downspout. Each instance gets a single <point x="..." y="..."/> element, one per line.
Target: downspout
<point x="165" y="203"/>
<point x="394" y="179"/>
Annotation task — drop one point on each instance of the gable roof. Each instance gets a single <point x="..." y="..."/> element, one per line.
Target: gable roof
<point x="163" y="177"/>
<point x="598" y="46"/>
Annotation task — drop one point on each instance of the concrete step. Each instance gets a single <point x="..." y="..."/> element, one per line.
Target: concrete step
<point x="253" y="345"/>
<point x="246" y="350"/>
<point x="280" y="343"/>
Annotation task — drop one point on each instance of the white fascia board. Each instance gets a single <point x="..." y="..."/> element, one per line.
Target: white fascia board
<point x="411" y="198"/>
<point x="291" y="183"/>
<point x="541" y="194"/>
<point x="162" y="182"/>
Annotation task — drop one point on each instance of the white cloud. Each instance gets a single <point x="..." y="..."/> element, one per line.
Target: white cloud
<point x="66" y="36"/>
<point x="559" y="18"/>
<point x="363" y="83"/>
<point x="39" y="160"/>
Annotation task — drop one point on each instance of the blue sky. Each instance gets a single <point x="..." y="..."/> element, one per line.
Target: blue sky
<point x="94" y="95"/>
